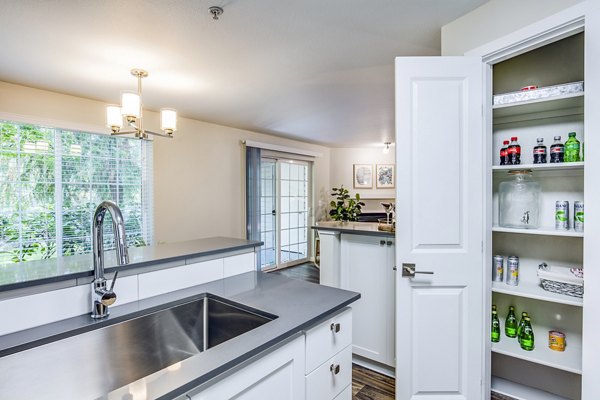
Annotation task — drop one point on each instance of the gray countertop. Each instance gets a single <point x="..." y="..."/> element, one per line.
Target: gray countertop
<point x="354" y="228"/>
<point x="31" y="273"/>
<point x="298" y="305"/>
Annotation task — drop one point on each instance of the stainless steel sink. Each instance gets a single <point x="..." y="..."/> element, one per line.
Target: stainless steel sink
<point x="119" y="354"/>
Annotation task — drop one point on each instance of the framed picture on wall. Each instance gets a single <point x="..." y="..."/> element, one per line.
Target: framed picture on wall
<point x="385" y="176"/>
<point x="363" y="176"/>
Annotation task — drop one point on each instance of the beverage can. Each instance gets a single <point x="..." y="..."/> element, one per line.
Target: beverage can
<point x="578" y="216"/>
<point x="557" y="340"/>
<point x="512" y="276"/>
<point x="498" y="270"/>
<point x="561" y="216"/>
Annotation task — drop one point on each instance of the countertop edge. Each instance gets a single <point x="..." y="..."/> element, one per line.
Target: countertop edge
<point x="354" y="231"/>
<point x="132" y="266"/>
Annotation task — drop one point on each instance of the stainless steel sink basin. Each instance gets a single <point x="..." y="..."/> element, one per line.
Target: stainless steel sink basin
<point x="119" y="354"/>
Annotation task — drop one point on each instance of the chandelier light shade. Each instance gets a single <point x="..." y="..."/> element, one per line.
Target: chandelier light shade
<point x="131" y="109"/>
<point x="168" y="120"/>
<point x="130" y="104"/>
<point x="114" y="119"/>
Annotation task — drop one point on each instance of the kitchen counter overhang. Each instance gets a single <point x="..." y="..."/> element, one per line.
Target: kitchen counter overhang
<point x="297" y="305"/>
<point x="42" y="272"/>
<point x="353" y="228"/>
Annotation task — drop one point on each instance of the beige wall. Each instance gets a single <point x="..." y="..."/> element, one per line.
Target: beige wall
<point x="341" y="173"/>
<point x="199" y="175"/>
<point x="495" y="19"/>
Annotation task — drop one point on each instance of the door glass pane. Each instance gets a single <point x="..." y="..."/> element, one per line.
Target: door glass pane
<point x="284" y="212"/>
<point x="268" y="214"/>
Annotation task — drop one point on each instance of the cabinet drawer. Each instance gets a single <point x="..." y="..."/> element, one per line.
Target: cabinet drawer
<point x="327" y="381"/>
<point x="346" y="394"/>
<point x="327" y="339"/>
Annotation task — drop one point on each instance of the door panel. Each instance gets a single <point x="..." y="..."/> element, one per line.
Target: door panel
<point x="437" y="352"/>
<point x="440" y="335"/>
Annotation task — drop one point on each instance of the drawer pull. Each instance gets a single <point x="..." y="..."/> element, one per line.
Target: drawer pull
<point x="335" y="368"/>
<point x="382" y="242"/>
<point x="335" y="328"/>
<point x="389" y="243"/>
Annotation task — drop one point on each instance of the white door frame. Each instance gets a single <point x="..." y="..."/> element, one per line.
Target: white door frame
<point x="278" y="160"/>
<point x="558" y="26"/>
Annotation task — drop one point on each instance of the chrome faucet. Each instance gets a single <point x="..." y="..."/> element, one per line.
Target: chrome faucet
<point x="101" y="296"/>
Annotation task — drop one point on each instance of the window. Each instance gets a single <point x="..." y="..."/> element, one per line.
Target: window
<point x="51" y="181"/>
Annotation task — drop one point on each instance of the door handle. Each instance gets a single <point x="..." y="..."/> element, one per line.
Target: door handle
<point x="409" y="271"/>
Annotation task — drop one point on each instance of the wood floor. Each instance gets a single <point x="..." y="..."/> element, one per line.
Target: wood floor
<point x="366" y="384"/>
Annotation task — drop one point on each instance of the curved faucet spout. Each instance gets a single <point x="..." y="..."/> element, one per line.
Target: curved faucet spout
<point x="101" y="296"/>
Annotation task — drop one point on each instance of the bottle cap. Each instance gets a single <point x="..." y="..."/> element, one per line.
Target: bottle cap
<point x="526" y="318"/>
<point x="556" y="137"/>
<point x="572" y="134"/>
<point x="540" y="140"/>
<point x="505" y="142"/>
<point x="511" y="307"/>
<point x="514" y="138"/>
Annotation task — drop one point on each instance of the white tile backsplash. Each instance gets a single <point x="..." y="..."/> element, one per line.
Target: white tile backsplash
<point x="239" y="264"/>
<point x="28" y="311"/>
<point x="43" y="308"/>
<point x="169" y="280"/>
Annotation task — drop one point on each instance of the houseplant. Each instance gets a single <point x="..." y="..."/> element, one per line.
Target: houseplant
<point x="345" y="208"/>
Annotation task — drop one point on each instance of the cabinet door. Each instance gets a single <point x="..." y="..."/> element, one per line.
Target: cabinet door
<point x="440" y="333"/>
<point x="366" y="269"/>
<point x="279" y="375"/>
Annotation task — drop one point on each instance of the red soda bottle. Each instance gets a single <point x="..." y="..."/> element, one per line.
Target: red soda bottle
<point x="504" y="153"/>
<point x="514" y="152"/>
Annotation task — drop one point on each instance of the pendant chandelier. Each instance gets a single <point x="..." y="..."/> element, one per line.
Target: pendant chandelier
<point x="131" y="110"/>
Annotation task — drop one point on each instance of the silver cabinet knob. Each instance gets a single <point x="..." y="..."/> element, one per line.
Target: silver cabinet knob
<point x="335" y="369"/>
<point x="335" y="328"/>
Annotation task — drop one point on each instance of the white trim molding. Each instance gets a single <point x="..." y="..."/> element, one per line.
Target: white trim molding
<point x="283" y="149"/>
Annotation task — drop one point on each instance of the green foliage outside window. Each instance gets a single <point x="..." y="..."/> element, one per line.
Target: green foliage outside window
<point x="50" y="183"/>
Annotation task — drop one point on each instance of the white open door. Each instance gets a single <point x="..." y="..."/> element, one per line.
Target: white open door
<point x="440" y="333"/>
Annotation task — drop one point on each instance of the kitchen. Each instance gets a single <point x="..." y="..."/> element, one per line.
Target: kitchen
<point x="202" y="169"/>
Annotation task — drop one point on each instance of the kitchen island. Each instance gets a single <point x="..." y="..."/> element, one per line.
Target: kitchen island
<point x="299" y="308"/>
<point x="357" y="256"/>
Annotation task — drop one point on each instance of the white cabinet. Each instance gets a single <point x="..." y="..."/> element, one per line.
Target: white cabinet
<point x="278" y="375"/>
<point x="329" y="358"/>
<point x="367" y="267"/>
<point x="315" y="366"/>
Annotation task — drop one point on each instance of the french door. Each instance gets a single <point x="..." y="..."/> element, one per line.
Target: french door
<point x="284" y="210"/>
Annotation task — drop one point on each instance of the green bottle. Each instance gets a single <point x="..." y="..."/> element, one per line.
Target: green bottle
<point x="521" y="325"/>
<point x="495" y="326"/>
<point x="572" y="148"/>
<point x="527" y="342"/>
<point x="510" y="325"/>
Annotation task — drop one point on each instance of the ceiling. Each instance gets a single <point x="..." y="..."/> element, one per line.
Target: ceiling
<point x="318" y="71"/>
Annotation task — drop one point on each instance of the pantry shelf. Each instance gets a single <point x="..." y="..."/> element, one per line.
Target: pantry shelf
<point x="540" y="231"/>
<point x="543" y="170"/>
<point x="521" y="392"/>
<point x="569" y="360"/>
<point x="534" y="291"/>
<point x="559" y="103"/>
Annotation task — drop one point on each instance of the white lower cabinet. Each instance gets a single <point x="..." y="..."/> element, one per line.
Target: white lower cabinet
<point x="331" y="378"/>
<point x="314" y="366"/>
<point x="278" y="375"/>
<point x="329" y="357"/>
<point x="367" y="267"/>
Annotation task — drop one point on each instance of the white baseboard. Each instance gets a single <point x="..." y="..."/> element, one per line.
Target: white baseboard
<point x="374" y="365"/>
